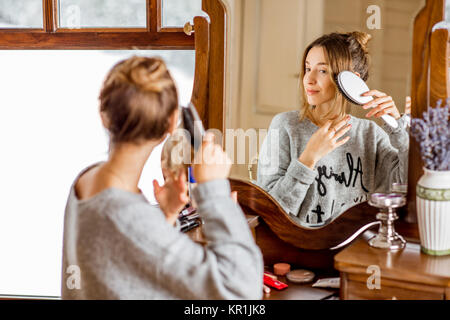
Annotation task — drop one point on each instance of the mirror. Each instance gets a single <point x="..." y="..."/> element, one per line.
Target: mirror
<point x="273" y="37"/>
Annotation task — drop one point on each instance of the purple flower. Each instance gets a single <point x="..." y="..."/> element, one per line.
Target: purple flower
<point x="433" y="135"/>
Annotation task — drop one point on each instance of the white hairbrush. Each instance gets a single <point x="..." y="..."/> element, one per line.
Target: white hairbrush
<point x="352" y="87"/>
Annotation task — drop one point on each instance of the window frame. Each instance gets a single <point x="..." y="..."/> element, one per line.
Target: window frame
<point x="51" y="36"/>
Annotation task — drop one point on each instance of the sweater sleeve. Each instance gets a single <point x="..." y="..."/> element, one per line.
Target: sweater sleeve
<point x="284" y="178"/>
<point x="392" y="155"/>
<point x="147" y="257"/>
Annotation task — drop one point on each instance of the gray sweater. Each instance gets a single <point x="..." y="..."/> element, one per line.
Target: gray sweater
<point x="121" y="247"/>
<point x="369" y="162"/>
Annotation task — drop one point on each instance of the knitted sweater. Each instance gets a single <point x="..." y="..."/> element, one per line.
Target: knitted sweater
<point x="118" y="246"/>
<point x="369" y="162"/>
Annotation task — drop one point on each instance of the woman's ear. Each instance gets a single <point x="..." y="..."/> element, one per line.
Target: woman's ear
<point x="105" y="119"/>
<point x="357" y="74"/>
<point x="173" y="120"/>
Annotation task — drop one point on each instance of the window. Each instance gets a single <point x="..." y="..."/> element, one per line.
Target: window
<point x="49" y="133"/>
<point x="49" y="124"/>
<point x="102" y="14"/>
<point x="172" y="16"/>
<point x="21" y="14"/>
<point x="447" y="11"/>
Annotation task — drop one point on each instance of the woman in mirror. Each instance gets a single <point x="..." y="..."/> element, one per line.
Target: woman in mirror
<point x="125" y="248"/>
<point x="320" y="161"/>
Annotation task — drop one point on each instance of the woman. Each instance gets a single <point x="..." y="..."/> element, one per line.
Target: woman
<point x="118" y="246"/>
<point x="319" y="161"/>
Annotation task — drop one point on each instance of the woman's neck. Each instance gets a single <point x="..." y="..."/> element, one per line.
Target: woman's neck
<point x="125" y="164"/>
<point x="321" y="113"/>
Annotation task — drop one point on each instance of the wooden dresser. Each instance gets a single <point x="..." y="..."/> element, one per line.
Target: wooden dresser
<point x="406" y="274"/>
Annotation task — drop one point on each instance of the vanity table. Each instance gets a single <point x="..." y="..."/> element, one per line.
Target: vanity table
<point x="294" y="291"/>
<point x="406" y="274"/>
<point x="305" y="291"/>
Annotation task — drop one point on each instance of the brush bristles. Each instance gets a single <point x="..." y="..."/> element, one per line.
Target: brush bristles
<point x="346" y="96"/>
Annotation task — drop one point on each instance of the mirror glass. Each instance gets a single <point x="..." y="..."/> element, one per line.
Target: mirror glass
<point x="272" y="43"/>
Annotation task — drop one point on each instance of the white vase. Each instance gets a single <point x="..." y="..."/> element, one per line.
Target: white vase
<point x="433" y="211"/>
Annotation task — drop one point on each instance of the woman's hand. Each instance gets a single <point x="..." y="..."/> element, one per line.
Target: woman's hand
<point x="211" y="162"/>
<point x="234" y="196"/>
<point x="323" y="141"/>
<point x="408" y="105"/>
<point x="382" y="104"/>
<point x="172" y="196"/>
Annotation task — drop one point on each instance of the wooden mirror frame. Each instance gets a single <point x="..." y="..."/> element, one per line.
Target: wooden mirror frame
<point x="212" y="106"/>
<point x="430" y="64"/>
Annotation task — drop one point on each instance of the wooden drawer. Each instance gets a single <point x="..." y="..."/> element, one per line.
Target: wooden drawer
<point x="390" y="290"/>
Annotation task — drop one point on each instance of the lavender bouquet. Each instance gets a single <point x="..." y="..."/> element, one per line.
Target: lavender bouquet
<point x="433" y="134"/>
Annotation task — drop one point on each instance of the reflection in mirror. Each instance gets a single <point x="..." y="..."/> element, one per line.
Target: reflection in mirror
<point x="314" y="161"/>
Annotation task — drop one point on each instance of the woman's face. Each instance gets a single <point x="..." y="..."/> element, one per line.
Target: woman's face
<point x="319" y="88"/>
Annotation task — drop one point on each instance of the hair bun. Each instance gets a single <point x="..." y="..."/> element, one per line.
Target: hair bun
<point x="361" y="38"/>
<point x="150" y="75"/>
<point x="147" y="74"/>
<point x="138" y="97"/>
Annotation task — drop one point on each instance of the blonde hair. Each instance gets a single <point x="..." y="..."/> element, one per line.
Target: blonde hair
<point x="138" y="96"/>
<point x="344" y="51"/>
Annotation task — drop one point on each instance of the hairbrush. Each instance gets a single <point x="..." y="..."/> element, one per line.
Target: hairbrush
<point x="193" y="124"/>
<point x="352" y="87"/>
